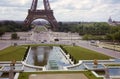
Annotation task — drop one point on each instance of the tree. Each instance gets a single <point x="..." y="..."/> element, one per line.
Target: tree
<point x="109" y="37"/>
<point x="1" y="32"/>
<point x="60" y="23"/>
<point x="87" y="37"/>
<point x="14" y="36"/>
<point x="117" y="36"/>
<point x="11" y="26"/>
<point x="56" y="39"/>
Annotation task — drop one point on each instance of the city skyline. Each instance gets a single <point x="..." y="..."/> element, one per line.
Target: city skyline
<point x="64" y="10"/>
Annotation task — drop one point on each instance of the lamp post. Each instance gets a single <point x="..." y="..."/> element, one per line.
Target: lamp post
<point x="71" y="37"/>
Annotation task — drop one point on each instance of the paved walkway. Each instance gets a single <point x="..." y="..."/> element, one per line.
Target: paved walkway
<point x="4" y="45"/>
<point x="58" y="76"/>
<point x="108" y="52"/>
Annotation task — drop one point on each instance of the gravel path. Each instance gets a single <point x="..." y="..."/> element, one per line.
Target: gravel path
<point x="58" y="76"/>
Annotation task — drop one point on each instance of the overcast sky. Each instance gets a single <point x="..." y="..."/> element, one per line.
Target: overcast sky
<point x="64" y="10"/>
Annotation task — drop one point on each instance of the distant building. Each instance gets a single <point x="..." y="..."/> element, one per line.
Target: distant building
<point x="113" y="22"/>
<point x="110" y="20"/>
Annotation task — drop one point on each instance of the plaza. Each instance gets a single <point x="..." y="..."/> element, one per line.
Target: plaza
<point x="58" y="60"/>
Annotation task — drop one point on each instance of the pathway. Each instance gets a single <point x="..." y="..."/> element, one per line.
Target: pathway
<point x="4" y="45"/>
<point x="108" y="52"/>
<point x="58" y="76"/>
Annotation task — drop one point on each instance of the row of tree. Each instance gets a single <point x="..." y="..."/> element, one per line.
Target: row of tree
<point x="114" y="36"/>
<point x="12" y="26"/>
<point x="92" y="30"/>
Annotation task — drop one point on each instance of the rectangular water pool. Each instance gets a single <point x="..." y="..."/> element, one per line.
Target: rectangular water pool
<point x="92" y="66"/>
<point x="114" y="71"/>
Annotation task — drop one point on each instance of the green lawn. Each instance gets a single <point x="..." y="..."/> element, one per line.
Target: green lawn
<point x="80" y="53"/>
<point x="12" y="53"/>
<point x="25" y="75"/>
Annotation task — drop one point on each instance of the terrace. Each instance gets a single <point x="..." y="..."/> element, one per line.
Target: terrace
<point x="53" y="58"/>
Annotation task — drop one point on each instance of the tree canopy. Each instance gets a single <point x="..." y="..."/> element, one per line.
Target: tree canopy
<point x="92" y="30"/>
<point x="12" y="26"/>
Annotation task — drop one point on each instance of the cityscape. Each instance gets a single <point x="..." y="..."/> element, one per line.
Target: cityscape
<point x="57" y="39"/>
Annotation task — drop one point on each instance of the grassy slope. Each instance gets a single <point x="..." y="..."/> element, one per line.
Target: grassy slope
<point x="80" y="53"/>
<point x="12" y="53"/>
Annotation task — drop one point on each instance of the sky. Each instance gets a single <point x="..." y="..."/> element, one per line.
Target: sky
<point x="64" y="10"/>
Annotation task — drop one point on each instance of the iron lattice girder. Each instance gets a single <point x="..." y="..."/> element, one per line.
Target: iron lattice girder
<point x="46" y="14"/>
<point x="34" y="5"/>
<point x="46" y="5"/>
<point x="40" y="12"/>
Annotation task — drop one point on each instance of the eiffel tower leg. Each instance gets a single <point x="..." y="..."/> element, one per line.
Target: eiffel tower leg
<point x="53" y="22"/>
<point x="28" y="20"/>
<point x="46" y="14"/>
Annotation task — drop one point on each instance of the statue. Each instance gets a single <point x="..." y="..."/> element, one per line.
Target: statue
<point x="95" y="63"/>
